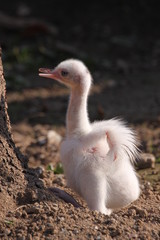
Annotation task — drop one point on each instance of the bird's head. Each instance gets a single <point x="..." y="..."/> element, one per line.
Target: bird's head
<point x="72" y="73"/>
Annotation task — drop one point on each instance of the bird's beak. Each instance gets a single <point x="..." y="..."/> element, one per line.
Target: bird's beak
<point x="49" y="73"/>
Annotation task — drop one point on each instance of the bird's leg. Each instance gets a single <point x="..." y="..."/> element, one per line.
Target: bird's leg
<point x="93" y="190"/>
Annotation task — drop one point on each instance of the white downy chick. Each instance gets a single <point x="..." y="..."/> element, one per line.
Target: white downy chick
<point x="97" y="157"/>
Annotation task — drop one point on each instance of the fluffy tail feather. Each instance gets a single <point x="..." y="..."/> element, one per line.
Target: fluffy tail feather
<point x="119" y="137"/>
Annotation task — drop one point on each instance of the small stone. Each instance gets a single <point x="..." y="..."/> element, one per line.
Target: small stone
<point x="39" y="171"/>
<point x="34" y="225"/>
<point x="18" y="214"/>
<point x="42" y="141"/>
<point x="49" y="225"/>
<point x="98" y="238"/>
<point x="32" y="195"/>
<point x="133" y="236"/>
<point x="158" y="197"/>
<point x="55" y="208"/>
<point x="20" y="237"/>
<point x="96" y="227"/>
<point x="139" y="211"/>
<point x="54" y="138"/>
<point x="32" y="210"/>
<point x="36" y="238"/>
<point x="39" y="183"/>
<point x="115" y="232"/>
<point x="131" y="212"/>
<point x="49" y="230"/>
<point x="24" y="214"/>
<point x="29" y="237"/>
<point x="7" y="231"/>
<point x="49" y="238"/>
<point x="146" y="160"/>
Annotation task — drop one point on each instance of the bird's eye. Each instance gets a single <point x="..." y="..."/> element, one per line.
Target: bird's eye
<point x="64" y="73"/>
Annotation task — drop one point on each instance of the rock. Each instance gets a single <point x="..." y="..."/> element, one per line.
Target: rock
<point x="131" y="212"/>
<point x="54" y="138"/>
<point x="7" y="231"/>
<point x="49" y="230"/>
<point x="39" y="184"/>
<point x="146" y="160"/>
<point x="32" y="210"/>
<point x="20" y="237"/>
<point x="98" y="238"/>
<point x="138" y="211"/>
<point x="18" y="214"/>
<point x="39" y="171"/>
<point x="55" y="207"/>
<point x="41" y="141"/>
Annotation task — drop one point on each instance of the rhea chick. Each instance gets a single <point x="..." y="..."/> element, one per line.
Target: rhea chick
<point x="97" y="157"/>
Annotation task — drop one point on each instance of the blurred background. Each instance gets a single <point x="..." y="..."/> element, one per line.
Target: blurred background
<point x="118" y="40"/>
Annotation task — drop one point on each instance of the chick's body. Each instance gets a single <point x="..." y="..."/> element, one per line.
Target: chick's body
<point x="97" y="158"/>
<point x="91" y="170"/>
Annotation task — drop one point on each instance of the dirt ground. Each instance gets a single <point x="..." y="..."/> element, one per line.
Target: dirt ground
<point x="121" y="47"/>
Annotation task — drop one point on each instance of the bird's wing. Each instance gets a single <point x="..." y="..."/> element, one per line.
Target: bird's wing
<point x="118" y="135"/>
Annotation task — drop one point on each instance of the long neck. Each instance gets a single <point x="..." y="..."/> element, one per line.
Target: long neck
<point x="77" y="115"/>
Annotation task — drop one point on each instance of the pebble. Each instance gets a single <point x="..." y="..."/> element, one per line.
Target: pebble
<point x="133" y="236"/>
<point x="18" y="214"/>
<point x="110" y="221"/>
<point x="36" y="238"/>
<point x="32" y="210"/>
<point x="54" y="138"/>
<point x="33" y="196"/>
<point x="29" y="237"/>
<point x="20" y="237"/>
<point x="158" y="197"/>
<point x="98" y="238"/>
<point x="49" y="230"/>
<point x="42" y="141"/>
<point x="48" y="238"/>
<point x="131" y="212"/>
<point x="7" y="231"/>
<point x="114" y="232"/>
<point x="146" y="160"/>
<point x="39" y="171"/>
<point x="24" y="214"/>
<point x="139" y="211"/>
<point x="39" y="184"/>
<point x="49" y="225"/>
<point x="55" y="208"/>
